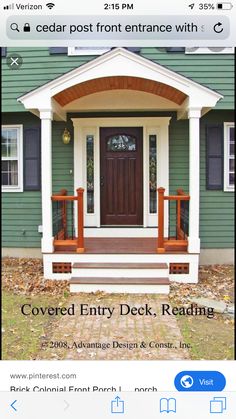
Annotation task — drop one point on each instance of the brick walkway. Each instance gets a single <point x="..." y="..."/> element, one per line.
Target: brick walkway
<point x="136" y="332"/>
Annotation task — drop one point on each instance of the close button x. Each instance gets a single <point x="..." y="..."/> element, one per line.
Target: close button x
<point x="14" y="61"/>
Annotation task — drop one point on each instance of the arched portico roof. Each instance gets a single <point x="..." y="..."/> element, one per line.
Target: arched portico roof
<point x="103" y="84"/>
<point x="120" y="69"/>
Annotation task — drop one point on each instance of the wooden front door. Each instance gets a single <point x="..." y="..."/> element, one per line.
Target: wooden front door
<point x="121" y="176"/>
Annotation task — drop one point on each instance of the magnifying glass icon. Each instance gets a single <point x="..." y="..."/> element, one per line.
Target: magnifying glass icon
<point x="14" y="27"/>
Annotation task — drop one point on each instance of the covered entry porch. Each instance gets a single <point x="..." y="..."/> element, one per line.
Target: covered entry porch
<point x="119" y="81"/>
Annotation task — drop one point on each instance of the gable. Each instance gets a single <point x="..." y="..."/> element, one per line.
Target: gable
<point x="210" y="70"/>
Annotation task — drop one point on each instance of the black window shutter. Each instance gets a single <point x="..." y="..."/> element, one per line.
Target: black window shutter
<point x="214" y="157"/>
<point x="134" y="49"/>
<point x="32" y="161"/>
<point x="3" y="51"/>
<point x="176" y="49"/>
<point x="58" y="50"/>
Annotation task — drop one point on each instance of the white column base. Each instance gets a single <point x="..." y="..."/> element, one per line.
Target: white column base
<point x="193" y="245"/>
<point x="47" y="245"/>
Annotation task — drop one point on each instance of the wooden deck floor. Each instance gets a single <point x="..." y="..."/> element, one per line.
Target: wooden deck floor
<point x="122" y="245"/>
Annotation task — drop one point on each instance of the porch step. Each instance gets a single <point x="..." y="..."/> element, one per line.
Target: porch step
<point x="176" y="245"/>
<point x="119" y="269"/>
<point x="120" y="277"/>
<point x="127" y="281"/>
<point x="120" y="285"/>
<point x="121" y="265"/>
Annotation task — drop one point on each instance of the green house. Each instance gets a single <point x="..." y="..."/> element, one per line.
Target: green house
<point x="118" y="163"/>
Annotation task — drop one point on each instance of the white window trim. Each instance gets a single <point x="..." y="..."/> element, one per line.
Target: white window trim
<point x="227" y="187"/>
<point x="87" y="50"/>
<point x="207" y="50"/>
<point x="18" y="188"/>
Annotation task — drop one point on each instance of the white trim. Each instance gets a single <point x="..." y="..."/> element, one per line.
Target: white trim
<point x="120" y="62"/>
<point x="19" y="158"/>
<point x="87" y="50"/>
<point x="46" y="194"/>
<point x="85" y="126"/>
<point x="194" y="180"/>
<point x="227" y="186"/>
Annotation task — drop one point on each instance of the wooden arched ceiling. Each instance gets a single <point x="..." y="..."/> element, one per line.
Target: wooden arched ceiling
<point x="119" y="82"/>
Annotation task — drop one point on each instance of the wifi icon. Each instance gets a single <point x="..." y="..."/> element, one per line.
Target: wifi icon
<point x="50" y="5"/>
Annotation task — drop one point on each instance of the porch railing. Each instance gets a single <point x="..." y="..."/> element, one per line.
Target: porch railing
<point x="182" y="211"/>
<point x="64" y="220"/>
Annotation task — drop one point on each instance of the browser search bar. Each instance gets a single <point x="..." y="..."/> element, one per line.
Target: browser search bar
<point x="116" y="28"/>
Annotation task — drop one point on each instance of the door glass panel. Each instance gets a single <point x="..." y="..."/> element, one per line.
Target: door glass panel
<point x="121" y="142"/>
<point x="152" y="174"/>
<point x="90" y="173"/>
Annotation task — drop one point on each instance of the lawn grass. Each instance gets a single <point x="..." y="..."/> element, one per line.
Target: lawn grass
<point x="22" y="335"/>
<point x="209" y="338"/>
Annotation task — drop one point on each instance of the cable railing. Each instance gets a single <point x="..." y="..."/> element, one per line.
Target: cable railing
<point x="64" y="224"/>
<point x="182" y="220"/>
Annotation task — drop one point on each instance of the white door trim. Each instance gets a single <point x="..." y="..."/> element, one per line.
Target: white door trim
<point x="91" y="126"/>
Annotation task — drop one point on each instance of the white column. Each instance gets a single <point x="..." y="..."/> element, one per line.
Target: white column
<point x="194" y="179"/>
<point x="46" y="177"/>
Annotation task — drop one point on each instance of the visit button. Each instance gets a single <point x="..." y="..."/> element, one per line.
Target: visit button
<point x="200" y="381"/>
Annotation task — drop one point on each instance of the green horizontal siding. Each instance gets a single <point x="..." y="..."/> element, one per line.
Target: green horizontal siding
<point x="21" y="212"/>
<point x="62" y="160"/>
<point x="39" y="67"/>
<point x="210" y="70"/>
<point x="216" y="207"/>
<point x="21" y="216"/>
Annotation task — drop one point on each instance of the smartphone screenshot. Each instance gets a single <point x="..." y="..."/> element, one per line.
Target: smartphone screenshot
<point x="118" y="174"/>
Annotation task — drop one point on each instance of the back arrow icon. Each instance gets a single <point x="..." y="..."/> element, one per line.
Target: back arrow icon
<point x="12" y="405"/>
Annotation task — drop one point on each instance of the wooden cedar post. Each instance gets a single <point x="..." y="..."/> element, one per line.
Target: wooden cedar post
<point x="178" y="203"/>
<point x="160" y="240"/>
<point x="80" y="206"/>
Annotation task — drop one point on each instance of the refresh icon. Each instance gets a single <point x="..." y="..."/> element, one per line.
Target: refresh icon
<point x="218" y="27"/>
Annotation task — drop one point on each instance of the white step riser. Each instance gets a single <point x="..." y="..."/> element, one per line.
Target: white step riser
<point x="192" y="259"/>
<point x="119" y="273"/>
<point x="120" y="289"/>
<point x="120" y="232"/>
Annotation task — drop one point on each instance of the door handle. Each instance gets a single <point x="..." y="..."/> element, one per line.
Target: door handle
<point x="101" y="180"/>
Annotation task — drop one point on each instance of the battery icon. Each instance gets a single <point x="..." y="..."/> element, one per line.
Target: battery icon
<point x="224" y="6"/>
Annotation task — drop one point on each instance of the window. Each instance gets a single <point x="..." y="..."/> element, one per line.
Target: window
<point x="152" y="174"/>
<point x="12" y="179"/>
<point x="209" y="50"/>
<point x="87" y="50"/>
<point x="3" y="52"/>
<point x="121" y="142"/>
<point x="90" y="173"/>
<point x="229" y="139"/>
